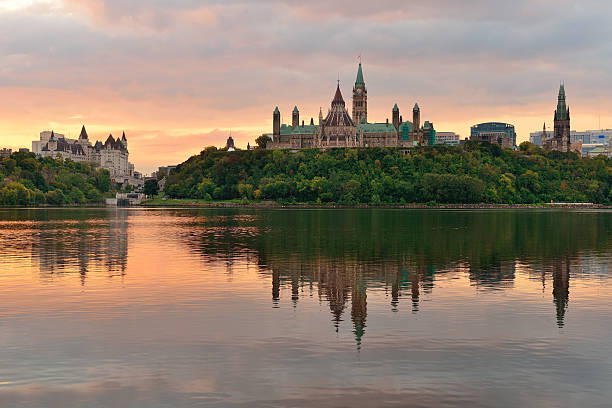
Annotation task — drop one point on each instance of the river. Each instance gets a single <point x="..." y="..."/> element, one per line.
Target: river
<point x="305" y="308"/>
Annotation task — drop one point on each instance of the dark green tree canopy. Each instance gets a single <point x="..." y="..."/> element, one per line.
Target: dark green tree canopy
<point x="473" y="173"/>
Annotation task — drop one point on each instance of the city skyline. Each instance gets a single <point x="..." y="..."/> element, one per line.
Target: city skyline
<point x="177" y="77"/>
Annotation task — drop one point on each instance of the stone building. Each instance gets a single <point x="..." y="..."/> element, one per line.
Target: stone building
<point x="561" y="138"/>
<point x="341" y="129"/>
<point x="112" y="155"/>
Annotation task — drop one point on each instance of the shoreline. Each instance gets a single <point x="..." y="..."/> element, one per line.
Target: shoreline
<point x="272" y="205"/>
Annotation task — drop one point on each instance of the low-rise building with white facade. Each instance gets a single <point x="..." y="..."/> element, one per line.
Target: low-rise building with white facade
<point x="447" y="138"/>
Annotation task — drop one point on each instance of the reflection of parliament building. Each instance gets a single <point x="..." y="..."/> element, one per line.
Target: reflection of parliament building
<point x="344" y="286"/>
<point x="339" y="128"/>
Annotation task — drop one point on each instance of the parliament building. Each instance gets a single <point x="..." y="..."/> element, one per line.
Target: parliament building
<point x="341" y="129"/>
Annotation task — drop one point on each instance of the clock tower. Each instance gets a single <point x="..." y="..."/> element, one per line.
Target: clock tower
<point x="360" y="99"/>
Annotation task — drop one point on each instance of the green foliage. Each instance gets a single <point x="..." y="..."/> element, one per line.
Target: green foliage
<point x="26" y="180"/>
<point x="474" y="173"/>
<point x="151" y="187"/>
<point x="262" y="141"/>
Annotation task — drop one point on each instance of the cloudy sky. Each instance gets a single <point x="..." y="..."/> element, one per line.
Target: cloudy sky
<point x="178" y="75"/>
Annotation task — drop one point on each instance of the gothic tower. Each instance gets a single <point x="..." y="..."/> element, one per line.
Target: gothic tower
<point x="562" y="123"/>
<point x="396" y="117"/>
<point x="360" y="98"/>
<point x="295" y="122"/>
<point x="416" y="118"/>
<point x="276" y="119"/>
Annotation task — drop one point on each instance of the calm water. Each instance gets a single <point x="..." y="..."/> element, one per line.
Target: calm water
<point x="301" y="308"/>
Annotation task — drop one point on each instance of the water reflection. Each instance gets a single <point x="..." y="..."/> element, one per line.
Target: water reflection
<point x="338" y="254"/>
<point x="343" y="254"/>
<point x="267" y="308"/>
<point x="93" y="240"/>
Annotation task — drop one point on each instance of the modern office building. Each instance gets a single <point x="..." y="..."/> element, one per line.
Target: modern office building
<point x="447" y="138"/>
<point x="502" y="134"/>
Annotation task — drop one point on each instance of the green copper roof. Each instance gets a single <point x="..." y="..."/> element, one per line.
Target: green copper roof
<point x="359" y="81"/>
<point x="286" y="130"/>
<point x="276" y="110"/>
<point x="375" y="128"/>
<point x="395" y="108"/>
<point x="416" y="107"/>
<point x="295" y="110"/>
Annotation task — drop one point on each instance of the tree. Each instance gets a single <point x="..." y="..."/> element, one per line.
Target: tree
<point x="151" y="188"/>
<point x="262" y="141"/>
<point x="55" y="197"/>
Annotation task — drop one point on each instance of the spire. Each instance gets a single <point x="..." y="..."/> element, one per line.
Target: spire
<point x="395" y="108"/>
<point x="562" y="112"/>
<point x="83" y="134"/>
<point x="359" y="81"/>
<point x="338" y="99"/>
<point x="416" y="107"/>
<point x="295" y="109"/>
<point x="276" y="110"/>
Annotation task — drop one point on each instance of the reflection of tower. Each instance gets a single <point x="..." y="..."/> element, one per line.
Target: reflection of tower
<point x="359" y="310"/>
<point x="295" y="288"/>
<point x="561" y="276"/>
<point x="395" y="290"/>
<point x="414" y="287"/>
<point x="275" y="286"/>
<point x="335" y="286"/>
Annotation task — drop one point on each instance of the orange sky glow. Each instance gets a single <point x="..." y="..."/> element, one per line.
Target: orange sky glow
<point x="180" y="76"/>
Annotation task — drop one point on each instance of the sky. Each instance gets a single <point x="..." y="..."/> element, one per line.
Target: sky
<point x="180" y="75"/>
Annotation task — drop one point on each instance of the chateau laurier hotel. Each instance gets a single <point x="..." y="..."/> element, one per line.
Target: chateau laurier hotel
<point x="112" y="155"/>
<point x="341" y="129"/>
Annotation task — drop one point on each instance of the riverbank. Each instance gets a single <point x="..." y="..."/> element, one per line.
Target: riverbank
<point x="190" y="203"/>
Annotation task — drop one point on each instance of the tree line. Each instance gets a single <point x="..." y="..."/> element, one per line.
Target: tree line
<point x="27" y="180"/>
<point x="472" y="173"/>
